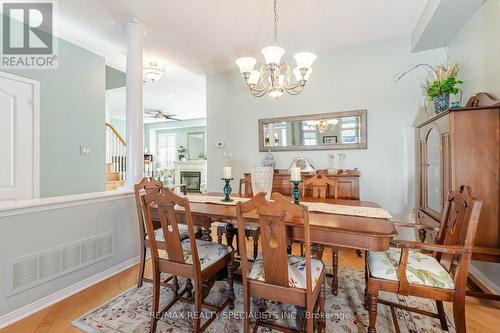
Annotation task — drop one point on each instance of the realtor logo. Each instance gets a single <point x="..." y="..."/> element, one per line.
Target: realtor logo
<point x="27" y="35"/>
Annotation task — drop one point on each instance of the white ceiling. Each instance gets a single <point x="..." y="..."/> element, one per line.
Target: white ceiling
<point x="207" y="36"/>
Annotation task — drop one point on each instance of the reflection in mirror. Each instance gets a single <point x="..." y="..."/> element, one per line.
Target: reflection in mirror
<point x="196" y="145"/>
<point x="340" y="130"/>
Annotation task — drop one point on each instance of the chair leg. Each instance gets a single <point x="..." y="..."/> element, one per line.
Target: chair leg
<point x="231" y="295"/>
<point x="442" y="315"/>
<point x="142" y="263"/>
<point x="322" y="306"/>
<point x="155" y="302"/>
<point x="189" y="286"/>
<point x="335" y="269"/>
<point x="372" y="312"/>
<point x="246" y="309"/>
<point x="459" y="312"/>
<point x="198" y="297"/>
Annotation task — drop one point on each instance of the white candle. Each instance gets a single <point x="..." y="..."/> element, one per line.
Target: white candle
<point x="226" y="172"/>
<point x="295" y="174"/>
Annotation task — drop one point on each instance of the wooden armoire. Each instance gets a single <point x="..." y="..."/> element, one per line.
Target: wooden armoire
<point x="461" y="147"/>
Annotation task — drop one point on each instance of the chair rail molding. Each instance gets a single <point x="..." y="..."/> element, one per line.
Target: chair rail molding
<point x="38" y="205"/>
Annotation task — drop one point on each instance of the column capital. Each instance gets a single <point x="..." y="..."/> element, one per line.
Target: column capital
<point x="131" y="23"/>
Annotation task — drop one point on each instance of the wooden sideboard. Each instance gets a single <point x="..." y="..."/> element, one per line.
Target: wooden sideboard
<point x="347" y="183"/>
<point x="461" y="147"/>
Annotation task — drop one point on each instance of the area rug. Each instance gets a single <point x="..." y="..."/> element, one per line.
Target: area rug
<point x="129" y="312"/>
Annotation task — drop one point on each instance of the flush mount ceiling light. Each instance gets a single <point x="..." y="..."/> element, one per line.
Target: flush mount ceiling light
<point x="153" y="72"/>
<point x="275" y="76"/>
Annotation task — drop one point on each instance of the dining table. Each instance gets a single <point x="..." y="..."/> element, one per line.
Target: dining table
<point x="326" y="229"/>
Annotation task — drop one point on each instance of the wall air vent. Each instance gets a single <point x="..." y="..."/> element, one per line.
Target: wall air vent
<point x="34" y="269"/>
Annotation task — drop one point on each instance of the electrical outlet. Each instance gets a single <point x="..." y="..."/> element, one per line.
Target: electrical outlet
<point x="85" y="150"/>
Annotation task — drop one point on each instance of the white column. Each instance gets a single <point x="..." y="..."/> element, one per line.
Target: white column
<point x="134" y="105"/>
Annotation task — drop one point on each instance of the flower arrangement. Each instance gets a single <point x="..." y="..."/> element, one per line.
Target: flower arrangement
<point x="181" y="153"/>
<point x="441" y="83"/>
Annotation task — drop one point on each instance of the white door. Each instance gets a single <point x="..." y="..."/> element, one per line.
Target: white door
<point x="18" y="138"/>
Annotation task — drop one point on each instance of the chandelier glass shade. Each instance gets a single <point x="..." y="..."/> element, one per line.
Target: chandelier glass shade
<point x="275" y="76"/>
<point x="153" y="72"/>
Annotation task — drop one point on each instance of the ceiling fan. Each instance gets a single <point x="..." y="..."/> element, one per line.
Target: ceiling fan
<point x="159" y="115"/>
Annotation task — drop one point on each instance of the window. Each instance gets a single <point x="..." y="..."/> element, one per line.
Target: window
<point x="309" y="133"/>
<point x="349" y="132"/>
<point x="166" y="149"/>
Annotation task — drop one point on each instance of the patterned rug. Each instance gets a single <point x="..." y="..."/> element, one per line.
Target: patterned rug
<point x="129" y="312"/>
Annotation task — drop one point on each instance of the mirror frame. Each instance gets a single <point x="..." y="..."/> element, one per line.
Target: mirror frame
<point x="204" y="143"/>
<point x="361" y="145"/>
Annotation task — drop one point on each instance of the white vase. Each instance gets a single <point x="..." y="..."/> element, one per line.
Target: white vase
<point x="262" y="180"/>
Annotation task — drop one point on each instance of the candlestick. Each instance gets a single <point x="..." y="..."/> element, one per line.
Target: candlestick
<point x="227" y="190"/>
<point x="296" y="191"/>
<point x="295" y="174"/>
<point x="226" y="172"/>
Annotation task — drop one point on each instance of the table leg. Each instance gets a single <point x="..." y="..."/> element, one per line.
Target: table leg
<point x="205" y="234"/>
<point x="288" y="246"/>
<point x="229" y="234"/>
<point x="198" y="234"/>
<point x="335" y="269"/>
<point x="422" y="234"/>
<point x="317" y="251"/>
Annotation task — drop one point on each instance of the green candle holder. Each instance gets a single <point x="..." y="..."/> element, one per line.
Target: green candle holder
<point x="296" y="191"/>
<point x="227" y="190"/>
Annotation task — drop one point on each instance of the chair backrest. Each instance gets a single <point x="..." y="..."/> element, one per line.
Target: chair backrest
<point x="319" y="185"/>
<point x="272" y="217"/>
<point x="139" y="192"/>
<point x="165" y="201"/>
<point x="458" y="225"/>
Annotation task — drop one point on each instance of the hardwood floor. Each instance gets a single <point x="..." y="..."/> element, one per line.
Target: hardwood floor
<point x="482" y="316"/>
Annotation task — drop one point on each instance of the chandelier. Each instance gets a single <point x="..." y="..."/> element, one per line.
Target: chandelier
<point x="324" y="125"/>
<point x="153" y="72"/>
<point x="275" y="76"/>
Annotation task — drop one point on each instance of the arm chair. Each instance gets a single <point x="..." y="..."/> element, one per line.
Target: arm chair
<point x="442" y="276"/>
<point x="276" y="275"/>
<point x="194" y="259"/>
<point x="319" y="185"/>
<point x="227" y="228"/>
<point x="149" y="184"/>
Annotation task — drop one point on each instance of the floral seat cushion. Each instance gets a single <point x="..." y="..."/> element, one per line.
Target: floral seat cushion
<point x="208" y="252"/>
<point x="183" y="233"/>
<point x="422" y="269"/>
<point x="296" y="271"/>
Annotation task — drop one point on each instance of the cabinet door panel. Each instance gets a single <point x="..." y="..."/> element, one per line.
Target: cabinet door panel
<point x="434" y="169"/>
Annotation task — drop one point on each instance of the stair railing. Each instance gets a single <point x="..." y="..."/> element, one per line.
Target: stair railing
<point x="115" y="151"/>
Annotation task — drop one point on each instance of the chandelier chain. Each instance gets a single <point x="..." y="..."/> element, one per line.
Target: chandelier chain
<point x="276" y="18"/>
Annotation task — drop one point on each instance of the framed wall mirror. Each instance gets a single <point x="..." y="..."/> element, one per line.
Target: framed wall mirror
<point x="196" y="145"/>
<point x="324" y="131"/>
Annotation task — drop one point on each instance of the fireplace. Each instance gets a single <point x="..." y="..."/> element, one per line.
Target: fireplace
<point x="192" y="179"/>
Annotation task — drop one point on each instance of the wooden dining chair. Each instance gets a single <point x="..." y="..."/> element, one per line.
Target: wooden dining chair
<point x="319" y="186"/>
<point x="275" y="275"/>
<point x="441" y="276"/>
<point x="140" y="188"/>
<point x="194" y="259"/>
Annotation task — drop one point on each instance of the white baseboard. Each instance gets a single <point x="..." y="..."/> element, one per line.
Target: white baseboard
<point x="487" y="282"/>
<point x="58" y="296"/>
